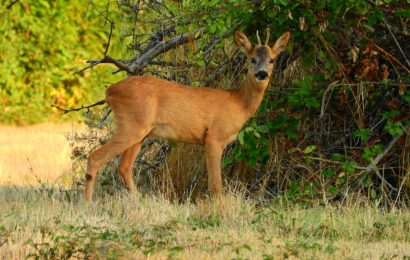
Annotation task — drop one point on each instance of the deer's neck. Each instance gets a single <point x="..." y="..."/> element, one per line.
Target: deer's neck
<point x="250" y="94"/>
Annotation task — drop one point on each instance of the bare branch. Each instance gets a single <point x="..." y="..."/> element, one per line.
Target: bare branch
<point x="107" y="59"/>
<point x="386" y="149"/>
<point x="112" y="24"/>
<point x="143" y="60"/>
<point x="397" y="43"/>
<point x="65" y="111"/>
<point x="328" y="89"/>
<point x="372" y="166"/>
<point x="9" y="6"/>
<point x="223" y="36"/>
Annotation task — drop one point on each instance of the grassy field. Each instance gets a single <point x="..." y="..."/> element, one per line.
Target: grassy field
<point x="52" y="226"/>
<point x="44" y="222"/>
<point x="34" y="153"/>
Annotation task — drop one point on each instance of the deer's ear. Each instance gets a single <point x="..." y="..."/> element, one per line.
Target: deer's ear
<point x="243" y="43"/>
<point x="281" y="43"/>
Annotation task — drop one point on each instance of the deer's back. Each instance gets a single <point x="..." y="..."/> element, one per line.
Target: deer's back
<point x="173" y="110"/>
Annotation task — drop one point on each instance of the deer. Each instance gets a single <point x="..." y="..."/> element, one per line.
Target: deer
<point x="145" y="106"/>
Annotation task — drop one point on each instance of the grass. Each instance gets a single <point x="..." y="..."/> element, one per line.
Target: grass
<point x="33" y="153"/>
<point x="51" y="224"/>
<point x="43" y="222"/>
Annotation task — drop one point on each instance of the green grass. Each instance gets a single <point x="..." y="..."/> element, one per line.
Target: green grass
<point x="46" y="224"/>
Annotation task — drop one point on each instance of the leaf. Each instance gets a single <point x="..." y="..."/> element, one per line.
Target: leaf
<point x="309" y="149"/>
<point x="228" y="160"/>
<point x="262" y="129"/>
<point x="373" y="194"/>
<point x="201" y="63"/>
<point x="241" y="137"/>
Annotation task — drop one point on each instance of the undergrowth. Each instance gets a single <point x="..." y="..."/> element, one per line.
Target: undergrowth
<point x="334" y="121"/>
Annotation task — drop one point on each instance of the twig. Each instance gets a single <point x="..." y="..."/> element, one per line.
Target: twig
<point x="107" y="59"/>
<point x="104" y="120"/>
<point x="223" y="36"/>
<point x="376" y="170"/>
<point x="397" y="43"/>
<point x="65" y="111"/>
<point x="109" y="37"/>
<point x="170" y="64"/>
<point x="9" y="6"/>
<point x="386" y="149"/>
<point x="328" y="89"/>
<point x="372" y="166"/>
<point x="334" y="162"/>
<point x="388" y="55"/>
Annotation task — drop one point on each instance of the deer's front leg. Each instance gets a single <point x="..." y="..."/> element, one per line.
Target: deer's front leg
<point x="213" y="150"/>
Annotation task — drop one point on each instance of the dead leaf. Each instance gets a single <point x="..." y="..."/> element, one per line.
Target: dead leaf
<point x="303" y="26"/>
<point x="402" y="89"/>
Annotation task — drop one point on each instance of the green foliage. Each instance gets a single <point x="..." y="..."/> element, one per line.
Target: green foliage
<point x="254" y="145"/>
<point x="303" y="95"/>
<point x="333" y="40"/>
<point x="340" y="53"/>
<point x="363" y="134"/>
<point x="394" y="128"/>
<point x="370" y="152"/>
<point x="42" y="44"/>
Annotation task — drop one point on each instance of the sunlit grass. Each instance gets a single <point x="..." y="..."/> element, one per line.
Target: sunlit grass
<point x="122" y="226"/>
<point x="43" y="221"/>
<point x="34" y="153"/>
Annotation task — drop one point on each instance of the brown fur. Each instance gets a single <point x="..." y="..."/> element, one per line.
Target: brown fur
<point x="147" y="106"/>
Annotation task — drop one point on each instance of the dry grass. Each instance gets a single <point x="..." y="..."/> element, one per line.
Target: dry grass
<point x="33" y="153"/>
<point x="147" y="227"/>
<point x="48" y="223"/>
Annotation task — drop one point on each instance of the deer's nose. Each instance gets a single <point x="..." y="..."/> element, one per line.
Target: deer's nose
<point x="261" y="75"/>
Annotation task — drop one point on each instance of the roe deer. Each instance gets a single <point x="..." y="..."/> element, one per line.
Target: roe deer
<point x="150" y="107"/>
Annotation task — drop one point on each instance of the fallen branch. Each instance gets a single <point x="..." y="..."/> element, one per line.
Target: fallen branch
<point x="65" y="111"/>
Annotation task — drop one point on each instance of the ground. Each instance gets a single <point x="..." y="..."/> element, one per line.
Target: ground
<point x="43" y="221"/>
<point x="34" y="153"/>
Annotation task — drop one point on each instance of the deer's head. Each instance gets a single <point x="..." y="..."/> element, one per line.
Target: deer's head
<point x="261" y="57"/>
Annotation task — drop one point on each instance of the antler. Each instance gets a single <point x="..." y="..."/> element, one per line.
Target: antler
<point x="267" y="36"/>
<point x="257" y="37"/>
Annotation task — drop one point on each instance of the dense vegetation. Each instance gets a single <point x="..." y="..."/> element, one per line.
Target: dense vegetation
<point x="42" y="44"/>
<point x="336" y="117"/>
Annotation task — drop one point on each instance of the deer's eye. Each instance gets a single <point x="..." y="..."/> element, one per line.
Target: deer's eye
<point x="271" y="61"/>
<point x="253" y="60"/>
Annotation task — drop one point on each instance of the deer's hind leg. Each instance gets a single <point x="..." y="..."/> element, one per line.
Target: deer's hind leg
<point x="127" y="164"/>
<point x="118" y="143"/>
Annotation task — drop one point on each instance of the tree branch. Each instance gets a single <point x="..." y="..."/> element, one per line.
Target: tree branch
<point x="65" y="111"/>
<point x="143" y="60"/>
<point x="10" y="5"/>
<point x="106" y="59"/>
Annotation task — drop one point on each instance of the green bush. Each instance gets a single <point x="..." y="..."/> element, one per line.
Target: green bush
<point x="43" y="42"/>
